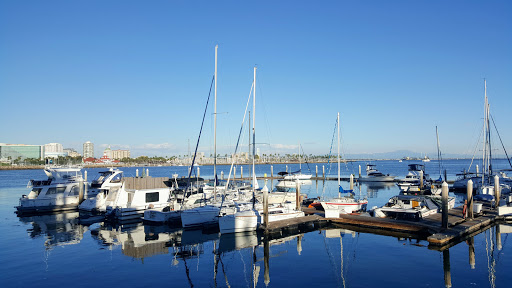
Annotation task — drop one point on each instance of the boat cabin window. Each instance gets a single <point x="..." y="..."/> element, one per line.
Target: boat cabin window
<point x="55" y="190"/>
<point x="37" y="190"/>
<point x="74" y="191"/>
<point x="117" y="178"/>
<point x="152" y="197"/>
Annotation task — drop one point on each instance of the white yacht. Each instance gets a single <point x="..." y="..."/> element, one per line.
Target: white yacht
<point x="59" y="192"/>
<point x="106" y="182"/>
<point x="374" y="175"/>
<point x="406" y="207"/>
<point x="135" y="196"/>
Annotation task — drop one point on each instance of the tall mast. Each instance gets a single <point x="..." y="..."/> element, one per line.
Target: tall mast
<point x="488" y="112"/>
<point x="339" y="166"/>
<point x="215" y="132"/>
<point x="300" y="164"/>
<point x="254" y="130"/>
<point x="438" y="153"/>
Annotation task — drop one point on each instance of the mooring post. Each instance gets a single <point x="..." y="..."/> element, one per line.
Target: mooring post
<point x="241" y="172"/>
<point x="137" y="173"/>
<point x="297" y="195"/>
<point x="421" y="179"/>
<point x="271" y="171"/>
<point x="476" y="170"/>
<point x="234" y="172"/>
<point x="323" y="171"/>
<point x="147" y="172"/>
<point x="85" y="185"/>
<point x="444" y="198"/>
<point x="198" y="172"/>
<point x="265" y="209"/>
<point x="316" y="174"/>
<point x="359" y="171"/>
<point x="351" y="182"/>
<point x="470" y="199"/>
<point x="497" y="191"/>
<point x="221" y="175"/>
<point x="81" y="190"/>
<point x="286" y="168"/>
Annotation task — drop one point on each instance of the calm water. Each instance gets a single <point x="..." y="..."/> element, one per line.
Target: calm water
<point x="55" y="250"/>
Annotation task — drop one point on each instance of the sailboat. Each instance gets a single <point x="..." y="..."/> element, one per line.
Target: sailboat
<point x="484" y="183"/>
<point x="250" y="219"/>
<point x="345" y="202"/>
<point x="298" y="176"/>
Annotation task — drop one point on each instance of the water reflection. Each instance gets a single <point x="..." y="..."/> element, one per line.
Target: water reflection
<point x="59" y="229"/>
<point x="373" y="187"/>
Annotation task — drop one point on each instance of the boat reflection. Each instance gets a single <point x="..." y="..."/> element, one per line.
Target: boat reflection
<point x="59" y="229"/>
<point x="373" y="187"/>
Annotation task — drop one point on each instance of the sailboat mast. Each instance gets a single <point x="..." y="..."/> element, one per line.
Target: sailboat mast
<point x="215" y="132"/>
<point x="339" y="165"/>
<point x="254" y="131"/>
<point x="438" y="153"/>
<point x="300" y="162"/>
<point x="488" y="132"/>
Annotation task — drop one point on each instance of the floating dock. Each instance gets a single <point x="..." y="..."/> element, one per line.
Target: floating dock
<point x="430" y="228"/>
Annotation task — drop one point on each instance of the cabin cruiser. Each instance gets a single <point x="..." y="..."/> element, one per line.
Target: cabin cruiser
<point x="59" y="192"/>
<point x="374" y="175"/>
<point x="408" y="207"/>
<point x="412" y="180"/>
<point x="106" y="182"/>
<point x="135" y="196"/>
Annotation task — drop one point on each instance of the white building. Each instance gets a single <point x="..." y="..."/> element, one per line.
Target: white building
<point x="72" y="152"/>
<point x="120" y="154"/>
<point x="88" y="150"/>
<point x="53" y="147"/>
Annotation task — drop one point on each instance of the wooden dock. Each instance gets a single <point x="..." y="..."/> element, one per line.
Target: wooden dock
<point x="429" y="228"/>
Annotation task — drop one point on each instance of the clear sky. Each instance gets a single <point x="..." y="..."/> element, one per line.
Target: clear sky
<point x="136" y="74"/>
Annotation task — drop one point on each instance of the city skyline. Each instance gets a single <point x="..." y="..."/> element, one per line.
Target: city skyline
<point x="138" y="76"/>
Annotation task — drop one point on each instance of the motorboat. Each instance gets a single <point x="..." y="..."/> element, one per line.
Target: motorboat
<point x="374" y="175"/>
<point x="60" y="192"/>
<point x="408" y="207"/>
<point x="135" y="196"/>
<point x="105" y="182"/>
<point x="412" y="179"/>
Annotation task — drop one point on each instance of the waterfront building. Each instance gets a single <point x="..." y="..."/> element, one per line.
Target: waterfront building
<point x="54" y="150"/>
<point x="120" y="154"/>
<point x="21" y="151"/>
<point x="88" y="150"/>
<point x="72" y="152"/>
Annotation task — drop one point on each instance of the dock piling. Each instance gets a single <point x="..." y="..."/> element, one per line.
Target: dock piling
<point x="241" y="172"/>
<point x="421" y="180"/>
<point x="497" y="190"/>
<point x="316" y="175"/>
<point x="444" y="198"/>
<point x="323" y="171"/>
<point x="221" y="175"/>
<point x="81" y="190"/>
<point x="476" y="170"/>
<point x="359" y="171"/>
<point x="351" y="182"/>
<point x="271" y="171"/>
<point x="198" y="173"/>
<point x="297" y="195"/>
<point x="470" y="199"/>
<point x="137" y="173"/>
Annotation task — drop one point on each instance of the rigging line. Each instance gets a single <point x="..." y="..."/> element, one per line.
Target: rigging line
<point x="508" y="158"/>
<point x="239" y="135"/>
<point x="306" y="158"/>
<point x="329" y="158"/>
<point x="474" y="151"/>
<point x="199" y="137"/>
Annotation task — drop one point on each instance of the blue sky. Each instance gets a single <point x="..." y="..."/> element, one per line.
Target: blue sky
<point x="136" y="74"/>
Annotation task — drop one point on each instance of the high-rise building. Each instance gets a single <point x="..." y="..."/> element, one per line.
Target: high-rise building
<point x="22" y="151"/>
<point x="54" y="150"/>
<point x="88" y="150"/>
<point x="120" y="154"/>
<point x="53" y="147"/>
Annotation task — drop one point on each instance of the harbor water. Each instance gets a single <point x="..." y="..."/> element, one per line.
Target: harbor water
<point x="60" y="250"/>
